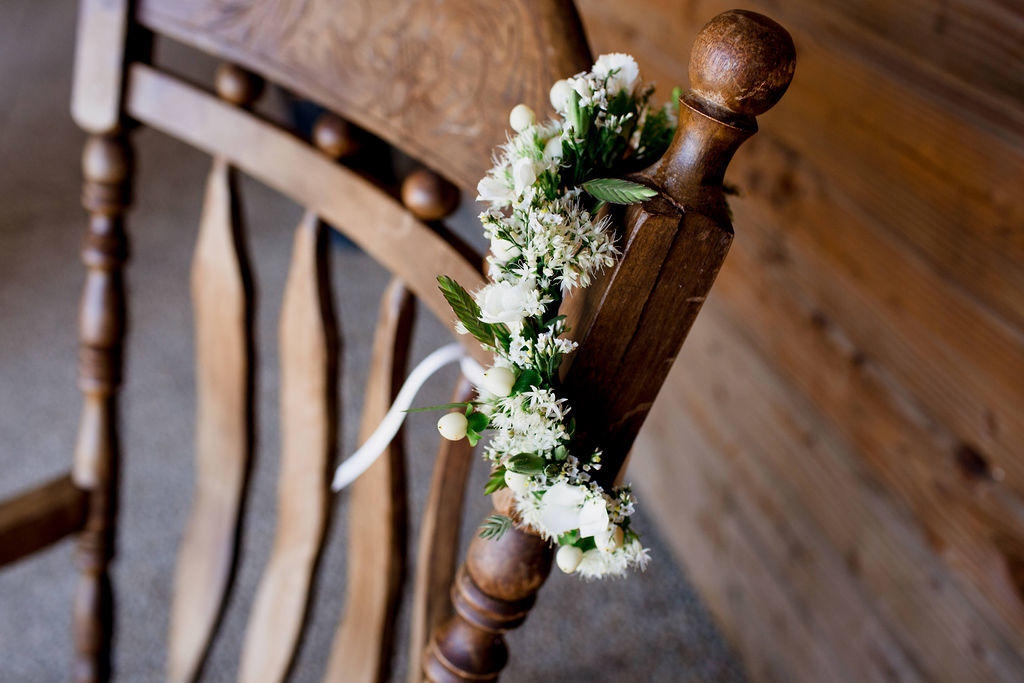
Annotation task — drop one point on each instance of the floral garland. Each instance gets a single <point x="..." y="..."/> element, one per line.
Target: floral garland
<point x="544" y="192"/>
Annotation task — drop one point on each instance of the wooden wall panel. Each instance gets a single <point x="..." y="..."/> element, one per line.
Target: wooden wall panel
<point x="851" y="446"/>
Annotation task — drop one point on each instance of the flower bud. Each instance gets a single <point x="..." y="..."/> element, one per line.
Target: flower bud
<point x="553" y="148"/>
<point x="453" y="426"/>
<point x="498" y="381"/>
<point x="523" y="173"/>
<point x="503" y="250"/>
<point x="559" y="95"/>
<point x="521" y="117"/>
<point x="568" y="558"/>
<point x="516" y="482"/>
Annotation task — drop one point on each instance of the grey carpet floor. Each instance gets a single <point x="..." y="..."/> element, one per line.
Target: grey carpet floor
<point x="648" y="628"/>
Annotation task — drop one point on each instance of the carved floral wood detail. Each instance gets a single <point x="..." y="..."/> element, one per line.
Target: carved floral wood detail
<point x="435" y="79"/>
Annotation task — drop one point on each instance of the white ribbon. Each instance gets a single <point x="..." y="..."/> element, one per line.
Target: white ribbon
<point x="368" y="453"/>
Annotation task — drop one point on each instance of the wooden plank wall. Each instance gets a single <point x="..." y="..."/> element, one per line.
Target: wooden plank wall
<point x="846" y="422"/>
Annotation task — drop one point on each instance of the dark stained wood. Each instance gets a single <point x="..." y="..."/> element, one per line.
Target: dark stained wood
<point x="454" y="69"/>
<point x="634" y="322"/>
<point x="492" y="594"/>
<point x="866" y="324"/>
<point x="39" y="517"/>
<point x="105" y="164"/>
<point x="429" y="196"/>
<point x="674" y="244"/>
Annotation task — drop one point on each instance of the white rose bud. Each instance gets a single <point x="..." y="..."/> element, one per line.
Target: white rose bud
<point x="553" y="148"/>
<point x="560" y="95"/>
<point x="523" y="173"/>
<point x="503" y="250"/>
<point x="453" y="426"/>
<point x="568" y="558"/>
<point x="498" y="381"/>
<point x="521" y="117"/>
<point x="516" y="482"/>
<point x="491" y="189"/>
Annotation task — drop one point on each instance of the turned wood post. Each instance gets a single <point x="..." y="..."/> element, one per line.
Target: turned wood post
<point x="105" y="165"/>
<point x="632" y="323"/>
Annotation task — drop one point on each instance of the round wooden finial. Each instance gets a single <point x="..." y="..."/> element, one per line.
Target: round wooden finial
<point x="236" y="85"/>
<point x="104" y="160"/>
<point x="742" y="61"/>
<point x="334" y="136"/>
<point x="429" y="196"/>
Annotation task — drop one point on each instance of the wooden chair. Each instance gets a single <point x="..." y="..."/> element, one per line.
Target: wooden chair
<point x="436" y="80"/>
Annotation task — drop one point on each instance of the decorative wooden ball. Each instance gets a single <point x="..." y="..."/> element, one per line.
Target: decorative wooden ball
<point x="236" y="85"/>
<point x="429" y="196"/>
<point x="334" y="136"/>
<point x="742" y="61"/>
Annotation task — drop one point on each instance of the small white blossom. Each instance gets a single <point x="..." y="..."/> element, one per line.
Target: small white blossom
<point x="521" y="117"/>
<point x="620" y="70"/>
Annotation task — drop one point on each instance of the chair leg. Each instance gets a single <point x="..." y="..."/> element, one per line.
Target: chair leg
<point x="493" y="593"/>
<point x="105" y="163"/>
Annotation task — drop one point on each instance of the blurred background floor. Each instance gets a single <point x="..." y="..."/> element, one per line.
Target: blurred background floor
<point x="650" y="627"/>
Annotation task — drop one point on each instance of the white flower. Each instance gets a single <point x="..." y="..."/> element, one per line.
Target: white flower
<point x="620" y="70"/>
<point x="593" y="518"/>
<point x="553" y="148"/>
<point x="521" y="117"/>
<point x="498" y="381"/>
<point x="453" y="426"/>
<point x="516" y="482"/>
<point x="524" y="173"/>
<point x="506" y="302"/>
<point x="560" y="508"/>
<point x="492" y="189"/>
<point x="503" y="250"/>
<point x="559" y="95"/>
<point x="568" y="558"/>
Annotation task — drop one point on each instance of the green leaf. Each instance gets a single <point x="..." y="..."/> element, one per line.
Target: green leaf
<point x="446" y="406"/>
<point x="477" y="421"/>
<point x="526" y="463"/>
<point x="465" y="309"/>
<point x="494" y="527"/>
<point x="496" y="482"/>
<point x="472" y="437"/>
<point x="618" y="191"/>
<point x="525" y="380"/>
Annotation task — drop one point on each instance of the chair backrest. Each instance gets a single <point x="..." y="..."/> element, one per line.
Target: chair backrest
<point x="436" y="80"/>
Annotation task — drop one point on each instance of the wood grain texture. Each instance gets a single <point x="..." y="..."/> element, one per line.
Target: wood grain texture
<point x="374" y="220"/>
<point x="221" y="298"/>
<point x="377" y="513"/>
<point x="872" y="305"/>
<point x="39" y="517"/>
<point x="438" y="544"/>
<point x="455" y="68"/>
<point x="106" y="167"/>
<point x="794" y="540"/>
<point x="307" y="340"/>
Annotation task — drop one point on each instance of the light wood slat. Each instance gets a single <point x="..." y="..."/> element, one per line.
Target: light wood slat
<point x="36" y="518"/>
<point x="377" y="513"/>
<point x="99" y="62"/>
<point x="438" y="546"/>
<point x="375" y="221"/>
<point x="308" y="365"/>
<point x="222" y="299"/>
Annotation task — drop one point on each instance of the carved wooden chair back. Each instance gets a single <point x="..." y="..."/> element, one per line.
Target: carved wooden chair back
<point x="436" y="80"/>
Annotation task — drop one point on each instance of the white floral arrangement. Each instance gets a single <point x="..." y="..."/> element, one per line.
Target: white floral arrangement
<point x="546" y="188"/>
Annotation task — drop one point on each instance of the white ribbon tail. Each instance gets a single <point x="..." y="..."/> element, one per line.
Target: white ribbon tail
<point x="368" y="453"/>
